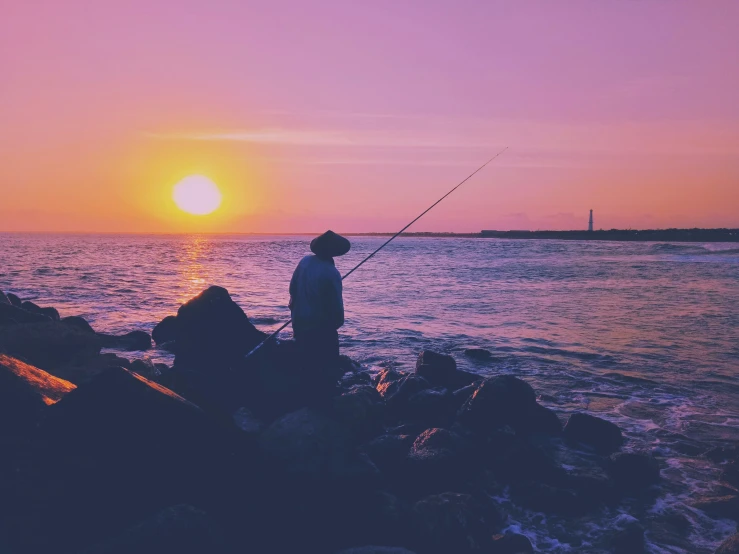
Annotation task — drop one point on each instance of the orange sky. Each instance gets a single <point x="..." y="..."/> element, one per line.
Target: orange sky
<point x="357" y="116"/>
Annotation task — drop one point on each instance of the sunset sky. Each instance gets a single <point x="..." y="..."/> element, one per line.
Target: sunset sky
<point x="356" y="116"/>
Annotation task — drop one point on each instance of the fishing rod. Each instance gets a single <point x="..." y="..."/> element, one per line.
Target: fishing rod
<point x="383" y="245"/>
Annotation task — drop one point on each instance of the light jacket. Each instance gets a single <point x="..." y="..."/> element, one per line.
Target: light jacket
<point x="316" y="300"/>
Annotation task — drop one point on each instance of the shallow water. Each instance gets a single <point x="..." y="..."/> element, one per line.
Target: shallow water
<point x="644" y="334"/>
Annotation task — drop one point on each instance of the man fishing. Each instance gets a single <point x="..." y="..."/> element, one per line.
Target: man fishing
<point x="317" y="308"/>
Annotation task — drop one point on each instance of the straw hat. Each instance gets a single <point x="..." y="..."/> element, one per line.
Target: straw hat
<point x="330" y="245"/>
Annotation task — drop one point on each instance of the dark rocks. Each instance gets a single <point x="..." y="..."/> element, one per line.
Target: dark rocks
<point x="361" y="410"/>
<point x="453" y="522"/>
<point x="376" y="550"/>
<point x="306" y="445"/>
<point x="384" y="380"/>
<point x="441" y="370"/>
<point x="11" y="315"/>
<point x="3" y="298"/>
<point x="182" y="529"/>
<point x="398" y="393"/>
<point x="729" y="546"/>
<point x="629" y="539"/>
<point x="721" y="507"/>
<point x="51" y="313"/>
<point x="511" y="543"/>
<point x="213" y="332"/>
<point x="48" y="344"/>
<point x="438" y="460"/>
<point x="14" y="300"/>
<point x="633" y="471"/>
<point x="522" y="461"/>
<point x="146" y="368"/>
<point x="505" y="400"/>
<point x="25" y="392"/>
<point x="81" y="370"/>
<point x="135" y="340"/>
<point x="361" y="378"/>
<point x="550" y="499"/>
<point x="165" y="330"/>
<point x="431" y="407"/>
<point x="478" y="354"/>
<point x="389" y="452"/>
<point x="605" y="437"/>
<point x="78" y="322"/>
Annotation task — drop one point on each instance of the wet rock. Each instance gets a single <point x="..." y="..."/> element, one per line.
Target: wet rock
<point x="376" y="550"/>
<point x="25" y="392"/>
<point x="633" y="471"/>
<point x="48" y="344"/>
<point x="51" y="313"/>
<point x="550" y="499"/>
<point x="214" y="333"/>
<point x="398" y="393"/>
<point x="306" y="444"/>
<point x="389" y="452"/>
<point x="438" y="460"/>
<point x="721" y="507"/>
<point x="145" y="368"/>
<point x="605" y="437"/>
<point x="165" y="330"/>
<point x="441" y="370"/>
<point x="135" y="340"/>
<point x="361" y="411"/>
<point x="478" y="354"/>
<point x="523" y="461"/>
<point x="453" y="522"/>
<point x="182" y="529"/>
<point x="83" y="370"/>
<point x="431" y="407"/>
<point x="511" y="543"/>
<point x="14" y="300"/>
<point x="539" y="420"/>
<point x="361" y="378"/>
<point x="347" y="365"/>
<point x="729" y="546"/>
<point x="4" y="298"/>
<point x="629" y="540"/>
<point x="78" y="322"/>
<point x="385" y="379"/>
<point x="11" y="315"/>
<point x="504" y="400"/>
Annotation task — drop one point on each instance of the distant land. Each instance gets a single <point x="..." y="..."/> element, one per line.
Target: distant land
<point x="659" y="235"/>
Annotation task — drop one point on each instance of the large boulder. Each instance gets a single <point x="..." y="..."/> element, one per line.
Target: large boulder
<point x="78" y="322"/>
<point x="633" y="471"/>
<point x="431" y="407"/>
<point x="135" y="340"/>
<point x="441" y="371"/>
<point x="182" y="529"/>
<point x="729" y="546"/>
<point x="48" y="344"/>
<point x="3" y="298"/>
<point x="11" y="314"/>
<point x="453" y="522"/>
<point x="213" y="332"/>
<point x="361" y="411"/>
<point x="389" y="452"/>
<point x="438" y="460"/>
<point x="506" y="400"/>
<point x="51" y="313"/>
<point x="14" y="300"/>
<point x="165" y="330"/>
<point x="605" y="437"/>
<point x="25" y="393"/>
<point x="119" y="448"/>
<point x="398" y="393"/>
<point x="80" y="371"/>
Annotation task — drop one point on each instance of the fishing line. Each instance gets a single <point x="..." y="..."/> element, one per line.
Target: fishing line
<point x="384" y="244"/>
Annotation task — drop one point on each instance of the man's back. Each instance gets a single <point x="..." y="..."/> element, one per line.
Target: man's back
<point x="316" y="295"/>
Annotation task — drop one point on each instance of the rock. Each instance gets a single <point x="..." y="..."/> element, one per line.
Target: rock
<point x="511" y="543"/>
<point x="48" y="344"/>
<point x="81" y="371"/>
<point x="505" y="400"/>
<point x="550" y="499"/>
<point x="14" y="300"/>
<point x="305" y="445"/>
<point x="633" y="471"/>
<point x="523" y="461"/>
<point x="213" y="332"/>
<point x="361" y="378"/>
<point x="117" y="449"/>
<point x="347" y="365"/>
<point x="433" y="407"/>
<point x="389" y="452"/>
<point x="135" y="340"/>
<point x="51" y="313"/>
<point x="438" y="460"/>
<point x="182" y="529"/>
<point x="165" y="330"/>
<point x="376" y="550"/>
<point x="720" y="507"/>
<point x="11" y="315"/>
<point x="145" y="368"/>
<point x="605" y="437"/>
<point x="441" y="370"/>
<point x="453" y="522"/>
<point x="384" y="380"/>
<point x="361" y="410"/>
<point x="25" y="392"/>
<point x="398" y="393"/>
<point x="246" y="421"/>
<point x="478" y="354"/>
<point x="78" y="322"/>
<point x="729" y="546"/>
<point x="629" y="540"/>
<point x="4" y="299"/>
<point x="31" y="307"/>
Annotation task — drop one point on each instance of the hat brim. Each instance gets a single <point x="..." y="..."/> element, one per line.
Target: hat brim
<point x="330" y="245"/>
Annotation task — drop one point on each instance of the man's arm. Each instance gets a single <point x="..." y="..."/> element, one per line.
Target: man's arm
<point x="334" y="299"/>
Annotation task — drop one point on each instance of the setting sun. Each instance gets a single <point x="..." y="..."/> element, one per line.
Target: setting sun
<point x="197" y="195"/>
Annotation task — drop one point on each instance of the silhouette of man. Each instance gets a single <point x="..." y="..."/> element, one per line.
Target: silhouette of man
<point x="317" y="307"/>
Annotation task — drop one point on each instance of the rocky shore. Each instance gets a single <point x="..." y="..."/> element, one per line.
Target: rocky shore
<point x="216" y="454"/>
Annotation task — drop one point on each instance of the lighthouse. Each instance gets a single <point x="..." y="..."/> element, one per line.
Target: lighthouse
<point x="590" y="223"/>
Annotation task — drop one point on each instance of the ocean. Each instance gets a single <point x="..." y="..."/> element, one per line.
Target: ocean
<point x="644" y="334"/>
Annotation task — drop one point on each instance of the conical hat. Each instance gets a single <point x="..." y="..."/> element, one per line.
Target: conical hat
<point x="330" y="245"/>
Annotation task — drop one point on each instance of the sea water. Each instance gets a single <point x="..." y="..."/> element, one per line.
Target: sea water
<point x="643" y="334"/>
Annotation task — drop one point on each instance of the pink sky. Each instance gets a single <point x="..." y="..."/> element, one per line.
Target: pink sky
<point x="357" y="115"/>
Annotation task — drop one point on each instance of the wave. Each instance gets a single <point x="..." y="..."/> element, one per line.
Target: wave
<point x="694" y="249"/>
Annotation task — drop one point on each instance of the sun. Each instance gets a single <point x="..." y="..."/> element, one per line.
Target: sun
<point x="197" y="195"/>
